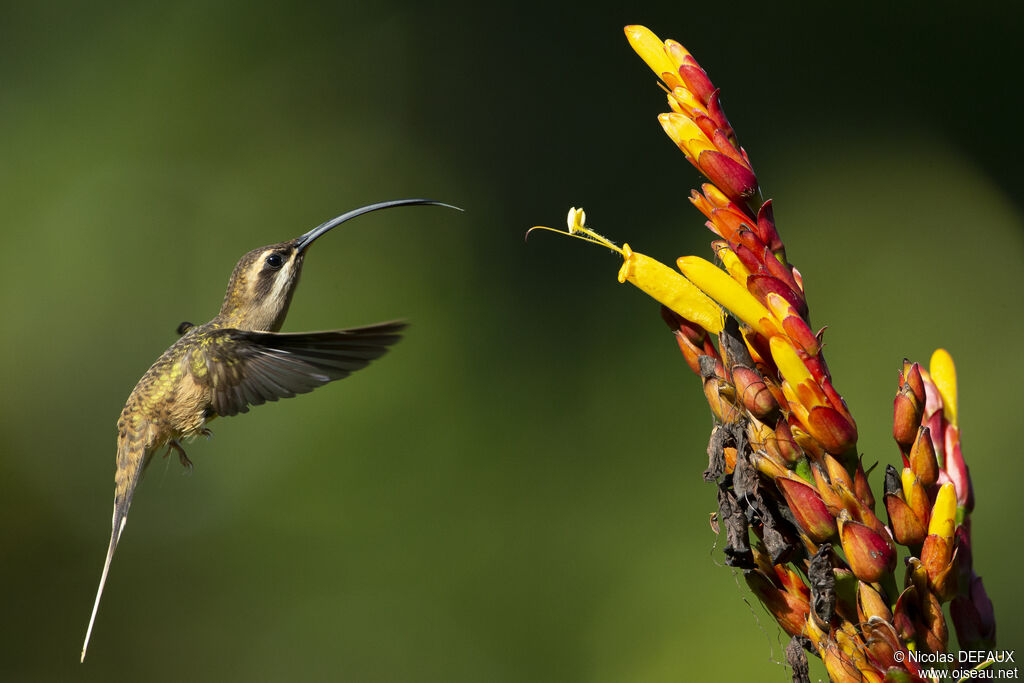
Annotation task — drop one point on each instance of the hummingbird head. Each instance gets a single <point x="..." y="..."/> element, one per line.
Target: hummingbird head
<point x="262" y="284"/>
<point x="261" y="287"/>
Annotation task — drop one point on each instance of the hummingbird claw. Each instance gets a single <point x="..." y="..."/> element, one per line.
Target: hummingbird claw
<point x="207" y="432"/>
<point x="185" y="462"/>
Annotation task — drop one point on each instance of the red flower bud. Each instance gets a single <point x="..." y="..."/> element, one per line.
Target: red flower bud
<point x="753" y="393"/>
<point x="790" y="609"/>
<point x="906" y="421"/>
<point x="831" y="429"/>
<point x="907" y="529"/>
<point x="869" y="553"/>
<point x="922" y="458"/>
<point x="734" y="179"/>
<point x="812" y="516"/>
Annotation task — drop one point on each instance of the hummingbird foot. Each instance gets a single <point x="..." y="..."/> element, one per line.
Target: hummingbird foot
<point x="207" y="432"/>
<point x="182" y="456"/>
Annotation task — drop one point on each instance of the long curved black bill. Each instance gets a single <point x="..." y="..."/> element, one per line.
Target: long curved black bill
<point x="310" y="236"/>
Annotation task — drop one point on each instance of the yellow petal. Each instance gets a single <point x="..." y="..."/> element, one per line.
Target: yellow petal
<point x="943" y="373"/>
<point x="695" y="146"/>
<point x="676" y="53"/>
<point x="732" y="263"/>
<point x="715" y="196"/>
<point x="686" y="100"/>
<point x="651" y="49"/>
<point x="943" y="520"/>
<point x="791" y="367"/>
<point x="668" y="287"/>
<point x="907" y="478"/>
<point x="726" y="291"/>
<point x="685" y="133"/>
<point x="795" y="404"/>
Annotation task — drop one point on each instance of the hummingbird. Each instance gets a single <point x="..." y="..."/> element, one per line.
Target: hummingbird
<point x="238" y="359"/>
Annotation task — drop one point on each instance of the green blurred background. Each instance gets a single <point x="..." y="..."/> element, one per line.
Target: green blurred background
<point x="513" y="494"/>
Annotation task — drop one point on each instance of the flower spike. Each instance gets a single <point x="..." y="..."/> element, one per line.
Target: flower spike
<point x="792" y="486"/>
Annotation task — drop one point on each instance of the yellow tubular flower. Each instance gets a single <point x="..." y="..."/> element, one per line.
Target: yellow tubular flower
<point x="676" y="52"/>
<point x="907" y="478"/>
<point x="943" y="520"/>
<point x="651" y="50"/>
<point x="793" y="370"/>
<point x="686" y="134"/>
<point x="668" y="287"/>
<point x="943" y="373"/>
<point x="726" y="291"/>
<point x="795" y="404"/>
<point x="685" y="100"/>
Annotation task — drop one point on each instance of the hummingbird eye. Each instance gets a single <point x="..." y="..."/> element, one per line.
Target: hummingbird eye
<point x="274" y="261"/>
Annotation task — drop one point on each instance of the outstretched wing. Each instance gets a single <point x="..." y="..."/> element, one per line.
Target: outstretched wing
<point x="244" y="368"/>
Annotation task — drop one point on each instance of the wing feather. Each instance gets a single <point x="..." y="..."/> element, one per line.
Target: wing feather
<point x="244" y="368"/>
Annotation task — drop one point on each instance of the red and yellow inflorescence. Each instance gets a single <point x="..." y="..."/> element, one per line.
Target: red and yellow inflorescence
<point x="793" y="493"/>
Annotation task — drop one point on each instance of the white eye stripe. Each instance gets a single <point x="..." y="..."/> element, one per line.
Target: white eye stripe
<point x="282" y="279"/>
